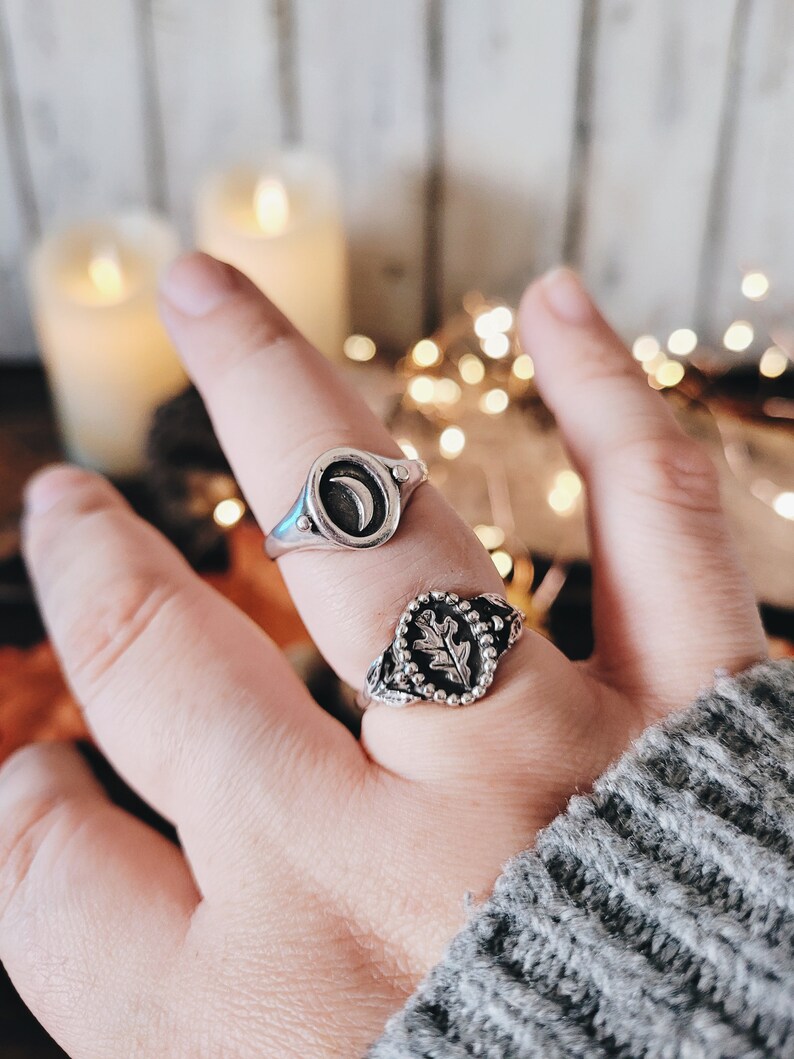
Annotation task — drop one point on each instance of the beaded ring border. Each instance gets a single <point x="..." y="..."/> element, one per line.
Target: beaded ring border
<point x="445" y="650"/>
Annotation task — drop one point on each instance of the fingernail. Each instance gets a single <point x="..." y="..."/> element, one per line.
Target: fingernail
<point x="567" y="298"/>
<point x="196" y="284"/>
<point x="48" y="485"/>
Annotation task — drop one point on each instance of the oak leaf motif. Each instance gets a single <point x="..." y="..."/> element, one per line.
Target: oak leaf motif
<point x="448" y="655"/>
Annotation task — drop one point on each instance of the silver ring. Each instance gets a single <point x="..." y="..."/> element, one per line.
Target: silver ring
<point x="351" y="499"/>
<point x="445" y="650"/>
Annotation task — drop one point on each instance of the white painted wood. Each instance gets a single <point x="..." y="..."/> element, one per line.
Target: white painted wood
<point x="363" y="100"/>
<point x="16" y="335"/>
<point x="757" y="218"/>
<point x="217" y="78"/>
<point x="659" y="77"/>
<point x="509" y="91"/>
<point x="79" y="82"/>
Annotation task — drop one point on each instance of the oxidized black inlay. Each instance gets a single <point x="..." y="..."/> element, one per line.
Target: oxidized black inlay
<point x="353" y="498"/>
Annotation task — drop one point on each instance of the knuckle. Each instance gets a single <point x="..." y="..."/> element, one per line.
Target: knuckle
<point x="22" y="832"/>
<point x="673" y="470"/>
<point x="101" y="635"/>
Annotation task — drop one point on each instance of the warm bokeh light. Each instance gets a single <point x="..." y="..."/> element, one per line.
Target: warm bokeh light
<point x="524" y="367"/>
<point x="773" y="363"/>
<point x="503" y="563"/>
<point x="471" y="368"/>
<point x="484" y="325"/>
<point x="784" y="505"/>
<point x="682" y="341"/>
<point x="271" y="206"/>
<point x="561" y="501"/>
<point x="755" y="286"/>
<point x="446" y="392"/>
<point x="422" y="388"/>
<point x="228" y="512"/>
<point x="645" y="348"/>
<point x="670" y="373"/>
<point x="654" y="363"/>
<point x="569" y="481"/>
<point x="359" y="348"/>
<point x="452" y="442"/>
<point x="490" y="536"/>
<point x="501" y="318"/>
<point x="425" y="353"/>
<point x="494" y="402"/>
<point x="496" y="346"/>
<point x="408" y="448"/>
<point x="106" y="273"/>
<point x="739" y="336"/>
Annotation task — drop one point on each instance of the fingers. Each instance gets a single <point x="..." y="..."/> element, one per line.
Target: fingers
<point x="196" y="708"/>
<point x="93" y="904"/>
<point x="277" y="404"/>
<point x="671" y="599"/>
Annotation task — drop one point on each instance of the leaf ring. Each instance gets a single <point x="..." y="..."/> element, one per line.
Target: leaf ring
<point x="445" y="650"/>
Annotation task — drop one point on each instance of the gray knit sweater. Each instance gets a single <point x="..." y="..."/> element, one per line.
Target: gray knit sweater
<point x="655" y="917"/>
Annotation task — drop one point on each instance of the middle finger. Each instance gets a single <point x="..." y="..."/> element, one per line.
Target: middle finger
<point x="277" y="404"/>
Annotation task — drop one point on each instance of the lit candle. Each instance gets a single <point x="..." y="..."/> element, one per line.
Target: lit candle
<point x="280" y="224"/>
<point x="108" y="358"/>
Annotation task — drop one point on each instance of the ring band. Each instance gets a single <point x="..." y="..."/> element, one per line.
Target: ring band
<point x="445" y="650"/>
<point x="351" y="499"/>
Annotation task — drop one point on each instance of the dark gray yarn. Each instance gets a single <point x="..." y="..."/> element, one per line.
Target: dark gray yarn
<point x="655" y="917"/>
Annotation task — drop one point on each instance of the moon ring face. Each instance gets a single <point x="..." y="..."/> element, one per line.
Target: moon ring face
<point x="353" y="498"/>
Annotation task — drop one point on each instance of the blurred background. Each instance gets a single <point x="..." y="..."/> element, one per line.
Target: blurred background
<point x="392" y="174"/>
<point x="476" y="142"/>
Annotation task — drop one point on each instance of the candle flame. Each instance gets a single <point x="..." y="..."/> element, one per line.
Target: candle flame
<point x="271" y="206"/>
<point x="106" y="273"/>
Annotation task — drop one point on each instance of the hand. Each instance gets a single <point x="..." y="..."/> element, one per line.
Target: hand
<point x="321" y="877"/>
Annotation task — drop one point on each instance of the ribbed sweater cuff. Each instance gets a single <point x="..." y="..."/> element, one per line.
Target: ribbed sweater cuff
<point x="655" y="917"/>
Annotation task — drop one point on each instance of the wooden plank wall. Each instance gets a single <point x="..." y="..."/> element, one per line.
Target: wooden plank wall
<point x="477" y="141"/>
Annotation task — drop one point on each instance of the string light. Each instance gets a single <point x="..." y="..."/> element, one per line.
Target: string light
<point x="484" y="325"/>
<point x="739" y="336"/>
<point x="490" y="536"/>
<point x="446" y="392"/>
<point x="494" y="402"/>
<point x="524" y="367"/>
<point x="496" y="346"/>
<point x="426" y="353"/>
<point x="755" y="286"/>
<point x="471" y="368"/>
<point x="359" y="348"/>
<point x="644" y="348"/>
<point x="784" y="505"/>
<point x="570" y="482"/>
<point x="670" y="373"/>
<point x="654" y="363"/>
<point x="228" y="512"/>
<point x="561" y="501"/>
<point x="501" y="318"/>
<point x="493" y="321"/>
<point x="682" y="341"/>
<point x="503" y="563"/>
<point x="408" y="448"/>
<point x="422" y="389"/>
<point x="452" y="442"/>
<point x="773" y="363"/>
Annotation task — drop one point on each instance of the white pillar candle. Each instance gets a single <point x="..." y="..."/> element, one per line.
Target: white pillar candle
<point x="107" y="355"/>
<point x="280" y="224"/>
